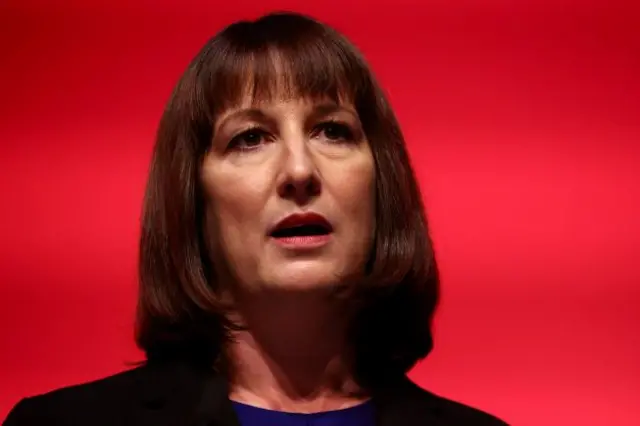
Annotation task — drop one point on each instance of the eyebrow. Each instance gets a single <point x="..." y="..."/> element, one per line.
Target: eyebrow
<point x="247" y="113"/>
<point x="254" y="113"/>
<point x="323" y="109"/>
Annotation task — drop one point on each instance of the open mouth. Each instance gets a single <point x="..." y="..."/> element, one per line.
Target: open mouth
<point x="301" y="231"/>
<point x="304" y="229"/>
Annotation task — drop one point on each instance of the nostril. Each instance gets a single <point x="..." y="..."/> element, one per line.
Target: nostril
<point x="300" y="189"/>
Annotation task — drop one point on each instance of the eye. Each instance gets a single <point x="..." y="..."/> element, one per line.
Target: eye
<point x="248" y="140"/>
<point x="334" y="131"/>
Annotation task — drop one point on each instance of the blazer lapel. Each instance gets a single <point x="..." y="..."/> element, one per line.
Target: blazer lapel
<point x="405" y="404"/>
<point x="176" y="394"/>
<point x="214" y="407"/>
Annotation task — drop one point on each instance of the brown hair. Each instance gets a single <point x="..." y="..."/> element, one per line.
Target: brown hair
<point x="179" y="315"/>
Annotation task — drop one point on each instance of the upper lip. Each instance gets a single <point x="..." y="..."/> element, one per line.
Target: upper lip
<point x="300" y="219"/>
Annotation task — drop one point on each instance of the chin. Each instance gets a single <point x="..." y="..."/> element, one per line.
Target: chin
<point x="304" y="277"/>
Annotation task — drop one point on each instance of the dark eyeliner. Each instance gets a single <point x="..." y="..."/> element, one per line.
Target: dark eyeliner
<point x="234" y="143"/>
<point x="349" y="134"/>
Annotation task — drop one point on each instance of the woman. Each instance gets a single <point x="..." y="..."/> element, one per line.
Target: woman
<point x="286" y="272"/>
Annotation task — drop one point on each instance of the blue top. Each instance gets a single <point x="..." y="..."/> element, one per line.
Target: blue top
<point x="360" y="415"/>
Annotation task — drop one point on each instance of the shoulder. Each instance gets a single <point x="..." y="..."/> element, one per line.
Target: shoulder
<point x="464" y="414"/>
<point x="98" y="399"/>
<point x="410" y="404"/>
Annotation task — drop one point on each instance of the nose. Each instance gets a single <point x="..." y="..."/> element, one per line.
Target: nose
<point x="299" y="180"/>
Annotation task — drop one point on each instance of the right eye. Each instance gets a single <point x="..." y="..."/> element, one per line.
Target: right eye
<point x="248" y="140"/>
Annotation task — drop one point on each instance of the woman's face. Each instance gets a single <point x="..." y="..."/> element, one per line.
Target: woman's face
<point x="290" y="190"/>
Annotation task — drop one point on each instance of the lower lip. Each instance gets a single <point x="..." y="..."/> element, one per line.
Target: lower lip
<point x="303" y="242"/>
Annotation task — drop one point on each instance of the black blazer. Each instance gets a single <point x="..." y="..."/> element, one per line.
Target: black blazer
<point x="175" y="394"/>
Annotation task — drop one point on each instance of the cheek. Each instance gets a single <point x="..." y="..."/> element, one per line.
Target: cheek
<point x="354" y="190"/>
<point x="236" y="207"/>
<point x="234" y="214"/>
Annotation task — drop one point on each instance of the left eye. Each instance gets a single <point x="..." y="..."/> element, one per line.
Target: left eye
<point x="335" y="131"/>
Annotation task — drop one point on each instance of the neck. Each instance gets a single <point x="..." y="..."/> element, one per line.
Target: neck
<point x="293" y="356"/>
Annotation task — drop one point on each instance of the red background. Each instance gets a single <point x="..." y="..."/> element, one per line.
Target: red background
<point x="523" y="121"/>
